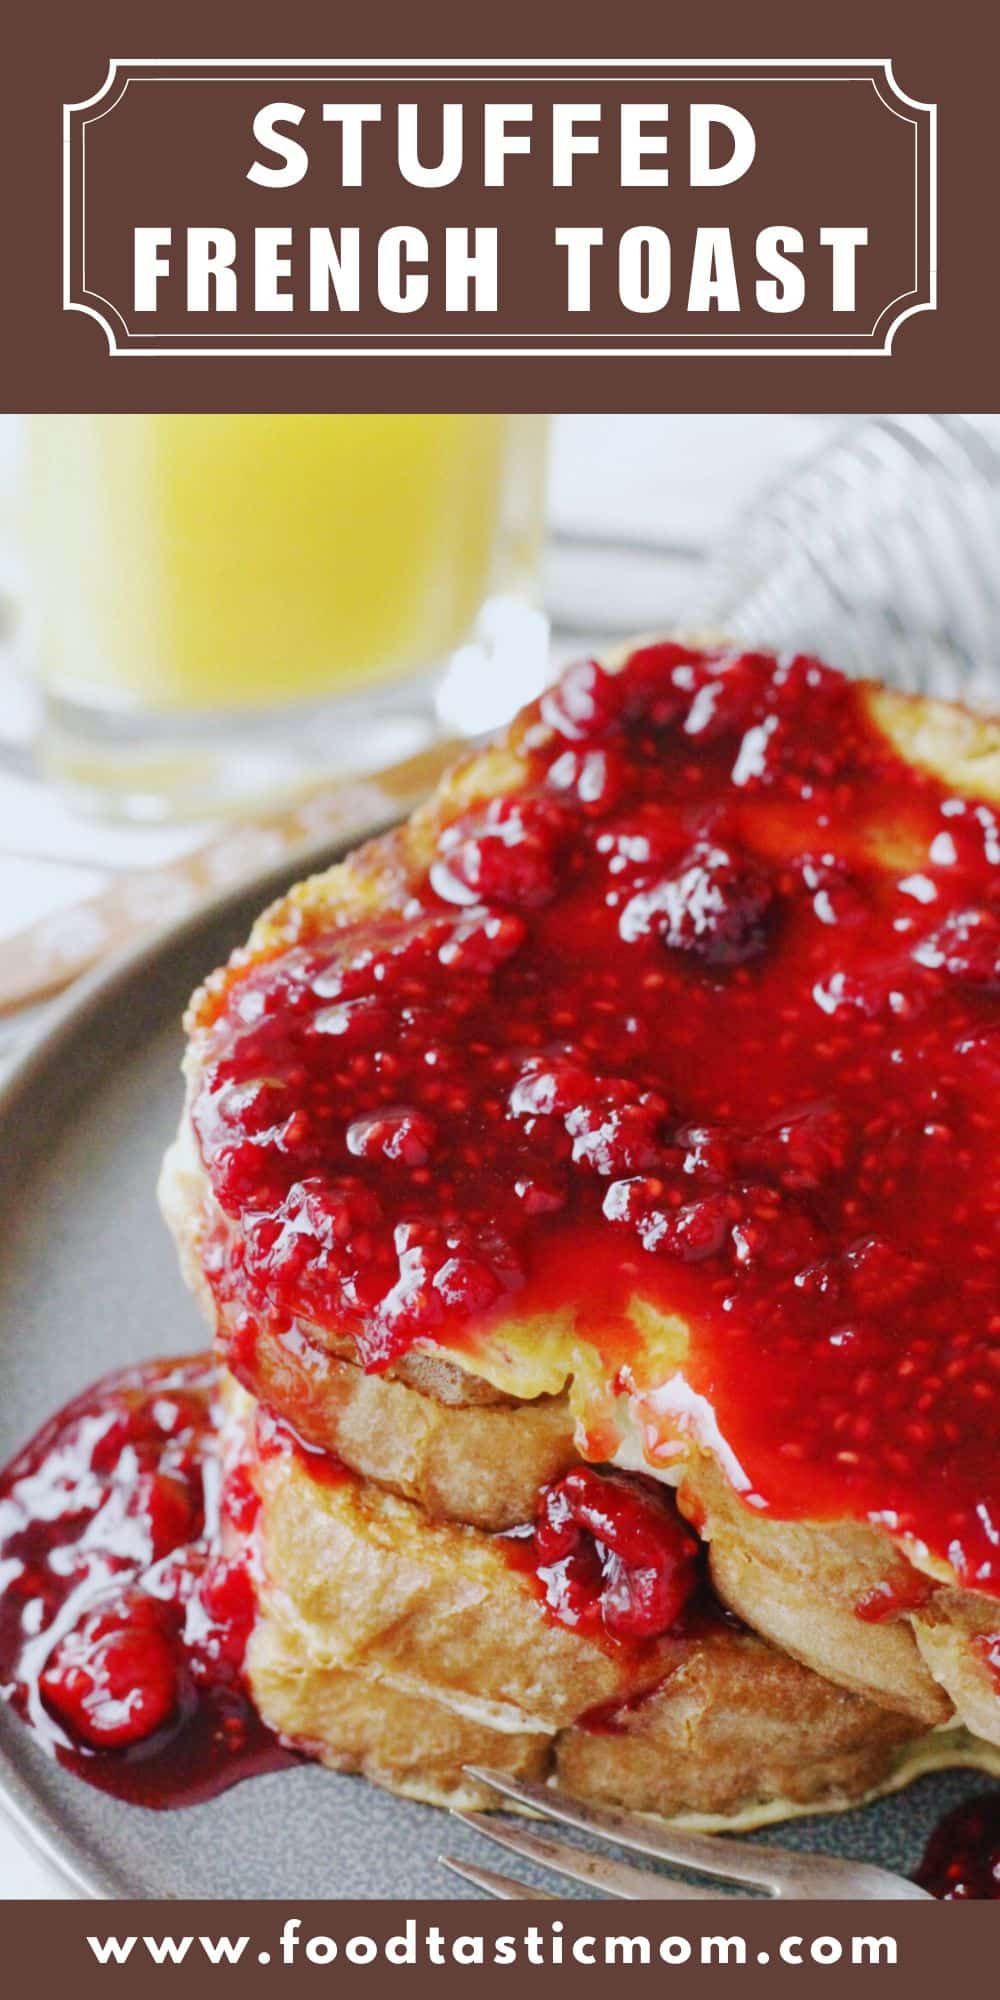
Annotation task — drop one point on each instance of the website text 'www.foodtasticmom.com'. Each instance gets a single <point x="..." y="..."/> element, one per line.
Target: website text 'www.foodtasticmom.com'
<point x="415" y="1944"/>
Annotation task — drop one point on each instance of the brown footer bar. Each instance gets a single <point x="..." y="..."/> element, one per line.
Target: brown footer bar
<point x="370" y="1948"/>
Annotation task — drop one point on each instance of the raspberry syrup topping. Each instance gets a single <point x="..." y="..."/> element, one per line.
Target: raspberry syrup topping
<point x="707" y="1013"/>
<point x="613" y="1555"/>
<point x="123" y="1624"/>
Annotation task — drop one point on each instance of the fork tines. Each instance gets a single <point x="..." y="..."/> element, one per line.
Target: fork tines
<point x="598" y="1872"/>
<point x="760" y="1870"/>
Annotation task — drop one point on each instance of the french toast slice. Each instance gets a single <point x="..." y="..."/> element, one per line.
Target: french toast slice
<point x="407" y="1739"/>
<point x="843" y="948"/>
<point x="404" y="1649"/>
<point x="836" y="1592"/>
<point x="479" y="1463"/>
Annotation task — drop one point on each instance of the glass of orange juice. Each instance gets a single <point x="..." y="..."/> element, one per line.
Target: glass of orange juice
<point x="226" y="606"/>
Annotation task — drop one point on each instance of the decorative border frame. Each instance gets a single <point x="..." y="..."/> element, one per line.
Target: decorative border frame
<point x="126" y="70"/>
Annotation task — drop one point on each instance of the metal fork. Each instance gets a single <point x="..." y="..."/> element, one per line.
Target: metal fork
<point x="761" y="1871"/>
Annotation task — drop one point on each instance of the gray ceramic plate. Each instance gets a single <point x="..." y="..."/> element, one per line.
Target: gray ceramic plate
<point x="88" y="1281"/>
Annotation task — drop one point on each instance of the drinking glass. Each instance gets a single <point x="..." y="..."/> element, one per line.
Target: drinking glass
<point x="226" y="606"/>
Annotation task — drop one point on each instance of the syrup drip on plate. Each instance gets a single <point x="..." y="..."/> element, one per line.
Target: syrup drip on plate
<point x="962" y="1860"/>
<point x="126" y="1600"/>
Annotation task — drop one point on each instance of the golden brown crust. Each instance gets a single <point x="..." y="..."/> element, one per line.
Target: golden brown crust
<point x="381" y="1589"/>
<point x="800" y="1584"/>
<point x="406" y="1740"/>
<point x="737" y="1722"/>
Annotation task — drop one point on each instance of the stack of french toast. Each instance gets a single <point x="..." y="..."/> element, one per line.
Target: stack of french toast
<point x="591" y="1187"/>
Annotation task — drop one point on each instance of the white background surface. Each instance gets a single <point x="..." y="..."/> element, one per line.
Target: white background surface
<point x="676" y="480"/>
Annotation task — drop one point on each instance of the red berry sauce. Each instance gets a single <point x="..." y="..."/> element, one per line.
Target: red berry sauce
<point x="611" y="1558"/>
<point x="962" y="1860"/>
<point x="708" y="1011"/>
<point x="123" y="1623"/>
<point x="612" y="1555"/>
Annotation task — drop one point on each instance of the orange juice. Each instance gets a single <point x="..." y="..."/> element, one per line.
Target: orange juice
<point x="224" y="563"/>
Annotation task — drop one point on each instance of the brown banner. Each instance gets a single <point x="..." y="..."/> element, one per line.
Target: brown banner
<point x="891" y="1949"/>
<point x="169" y="155"/>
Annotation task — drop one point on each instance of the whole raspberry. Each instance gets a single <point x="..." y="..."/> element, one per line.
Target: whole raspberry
<point x="717" y="907"/>
<point x="114" y="1680"/>
<point x="611" y="1552"/>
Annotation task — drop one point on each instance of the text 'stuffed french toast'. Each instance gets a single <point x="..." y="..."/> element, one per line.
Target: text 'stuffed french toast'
<point x="648" y="1077"/>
